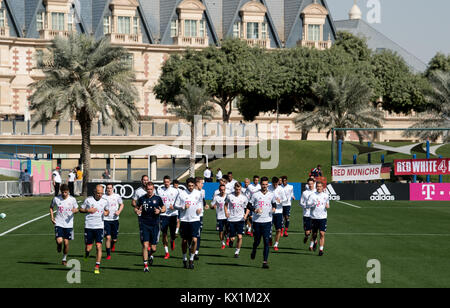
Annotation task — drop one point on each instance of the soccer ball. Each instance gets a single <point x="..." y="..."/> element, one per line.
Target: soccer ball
<point x="2" y="215"/>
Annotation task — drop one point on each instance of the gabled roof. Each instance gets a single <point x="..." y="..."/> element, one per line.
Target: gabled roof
<point x="376" y="41"/>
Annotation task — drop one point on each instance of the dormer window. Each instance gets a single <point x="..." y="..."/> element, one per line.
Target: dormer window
<point x="314" y="18"/>
<point x="57" y="20"/>
<point x="192" y="31"/>
<point x="2" y="18"/>
<point x="253" y="27"/>
<point x="123" y="25"/>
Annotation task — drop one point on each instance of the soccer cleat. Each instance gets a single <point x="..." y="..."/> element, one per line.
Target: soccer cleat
<point x="63" y="262"/>
<point x="265" y="265"/>
<point x="248" y="233"/>
<point x="223" y="247"/>
<point x="108" y="258"/>
<point x="167" y="256"/>
<point x="228" y="242"/>
<point x="286" y="233"/>
<point x="236" y="255"/>
<point x="172" y="245"/>
<point x="191" y="264"/>
<point x="150" y="261"/>
<point x="185" y="264"/>
<point x="253" y="255"/>
<point x="251" y="234"/>
<point x="113" y="248"/>
<point x="97" y="270"/>
<point x="275" y="248"/>
<point x="196" y="257"/>
<point x="320" y="253"/>
<point x="146" y="270"/>
<point x="315" y="246"/>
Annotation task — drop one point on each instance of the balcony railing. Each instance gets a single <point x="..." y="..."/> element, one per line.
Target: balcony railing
<point x="47" y="34"/>
<point x="191" y="41"/>
<point x="258" y="43"/>
<point x="320" y="45"/>
<point x="124" y="38"/>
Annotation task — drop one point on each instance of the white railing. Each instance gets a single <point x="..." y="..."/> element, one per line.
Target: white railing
<point x="48" y="34"/>
<point x="10" y="189"/>
<point x="124" y="38"/>
<point x="321" y="45"/>
<point x="191" y="41"/>
<point x="258" y="43"/>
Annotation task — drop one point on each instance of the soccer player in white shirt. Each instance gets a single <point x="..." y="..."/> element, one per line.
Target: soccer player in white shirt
<point x="319" y="203"/>
<point x="169" y="219"/>
<point x="219" y="175"/>
<point x="176" y="184"/>
<point x="199" y="186"/>
<point x="235" y="211"/>
<point x="253" y="188"/>
<point x="280" y="197"/>
<point x="263" y="205"/>
<point x="96" y="208"/>
<point x="289" y="192"/>
<point x="65" y="207"/>
<point x="141" y="191"/>
<point x="218" y="203"/>
<point x="306" y="209"/>
<point x="189" y="205"/>
<point x="112" y="220"/>
<point x="56" y="180"/>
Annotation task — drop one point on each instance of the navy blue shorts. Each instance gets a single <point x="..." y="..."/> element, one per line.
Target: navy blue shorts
<point x="287" y="210"/>
<point x="319" y="225"/>
<point x="65" y="233"/>
<point x="149" y="233"/>
<point x="277" y="220"/>
<point x="91" y="235"/>
<point x="236" y="228"/>
<point x="188" y="230"/>
<point x="307" y="226"/>
<point x="262" y="229"/>
<point x="111" y="229"/>
<point x="221" y="223"/>
<point x="169" y="222"/>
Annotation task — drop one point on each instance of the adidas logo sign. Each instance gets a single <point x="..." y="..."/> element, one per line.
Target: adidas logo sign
<point x="382" y="194"/>
<point x="333" y="195"/>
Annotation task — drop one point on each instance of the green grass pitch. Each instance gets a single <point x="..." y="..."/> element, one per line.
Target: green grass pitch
<point x="410" y="239"/>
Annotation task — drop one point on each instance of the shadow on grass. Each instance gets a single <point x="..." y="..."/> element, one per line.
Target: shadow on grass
<point x="37" y="263"/>
<point x="231" y="264"/>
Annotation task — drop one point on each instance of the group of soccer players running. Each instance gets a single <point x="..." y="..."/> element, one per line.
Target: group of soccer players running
<point x="255" y="206"/>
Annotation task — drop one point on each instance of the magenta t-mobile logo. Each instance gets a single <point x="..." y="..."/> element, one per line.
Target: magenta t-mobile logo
<point x="428" y="190"/>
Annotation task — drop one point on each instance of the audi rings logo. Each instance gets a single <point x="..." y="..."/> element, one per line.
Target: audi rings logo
<point x="126" y="191"/>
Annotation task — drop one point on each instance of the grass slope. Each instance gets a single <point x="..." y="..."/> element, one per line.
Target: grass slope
<point x="407" y="238"/>
<point x="297" y="158"/>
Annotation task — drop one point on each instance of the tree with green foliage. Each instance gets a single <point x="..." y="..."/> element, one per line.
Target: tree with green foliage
<point x="438" y="113"/>
<point x="401" y="90"/>
<point x="223" y="72"/>
<point x="192" y="103"/>
<point x="85" y="78"/>
<point x="344" y="103"/>
<point x="440" y="62"/>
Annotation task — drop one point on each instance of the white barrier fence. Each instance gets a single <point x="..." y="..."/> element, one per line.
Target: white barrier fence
<point x="10" y="189"/>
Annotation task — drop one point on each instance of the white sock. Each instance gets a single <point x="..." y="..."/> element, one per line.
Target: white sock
<point x="64" y="258"/>
<point x="223" y="243"/>
<point x="176" y="231"/>
<point x="166" y="249"/>
<point x="312" y="244"/>
<point x="192" y="257"/>
<point x="276" y="244"/>
<point x="196" y="252"/>
<point x="184" y="257"/>
<point x="151" y="257"/>
<point x="237" y="251"/>
<point x="321" y="248"/>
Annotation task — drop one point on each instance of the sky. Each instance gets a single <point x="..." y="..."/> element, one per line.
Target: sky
<point x="420" y="26"/>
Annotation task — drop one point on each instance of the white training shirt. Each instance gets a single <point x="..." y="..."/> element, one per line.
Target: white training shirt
<point x="219" y="202"/>
<point x="236" y="207"/>
<point x="72" y="177"/>
<point x="57" y="177"/>
<point x="139" y="193"/>
<point x="169" y="197"/>
<point x="207" y="173"/>
<point x="289" y="192"/>
<point x="264" y="202"/>
<point x="254" y="188"/>
<point x="247" y="192"/>
<point x="279" y="194"/>
<point x="63" y="208"/>
<point x="95" y="220"/>
<point x="114" y="202"/>
<point x="193" y="200"/>
<point x="229" y="187"/>
<point x="219" y="175"/>
<point x="201" y="202"/>
<point x="318" y="201"/>
<point x="303" y="202"/>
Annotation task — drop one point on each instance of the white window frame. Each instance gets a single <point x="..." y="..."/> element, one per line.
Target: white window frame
<point x="2" y="18"/>
<point x="264" y="32"/>
<point x="106" y="25"/>
<point x="190" y="28"/>
<point x="251" y="26"/>
<point x="314" y="33"/>
<point x="202" y="28"/>
<point x="59" y="25"/>
<point x="124" y="24"/>
<point x="237" y="30"/>
<point x="174" y="28"/>
<point x="135" y="25"/>
<point x="40" y="21"/>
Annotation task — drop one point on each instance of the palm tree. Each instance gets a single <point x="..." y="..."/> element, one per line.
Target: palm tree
<point x="191" y="104"/>
<point x="438" y="114"/>
<point x="343" y="102"/>
<point x="85" y="78"/>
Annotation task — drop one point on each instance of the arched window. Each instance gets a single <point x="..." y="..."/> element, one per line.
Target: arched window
<point x="314" y="17"/>
<point x="123" y="26"/>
